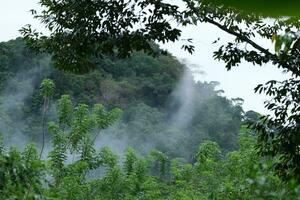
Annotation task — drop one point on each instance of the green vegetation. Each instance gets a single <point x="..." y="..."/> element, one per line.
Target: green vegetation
<point x="145" y="88"/>
<point x="278" y="133"/>
<point x="274" y="8"/>
<point x="98" y="174"/>
<point x="210" y="156"/>
<point x="183" y="139"/>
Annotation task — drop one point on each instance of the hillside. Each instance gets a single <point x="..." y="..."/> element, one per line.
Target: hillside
<point x="163" y="106"/>
<point x="175" y="139"/>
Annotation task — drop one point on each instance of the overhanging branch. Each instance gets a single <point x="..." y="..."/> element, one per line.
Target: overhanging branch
<point x="241" y="37"/>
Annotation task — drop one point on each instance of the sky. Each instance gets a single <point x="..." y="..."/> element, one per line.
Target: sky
<point x="239" y="82"/>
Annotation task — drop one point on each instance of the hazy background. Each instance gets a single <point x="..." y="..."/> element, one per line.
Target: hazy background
<point x="239" y="82"/>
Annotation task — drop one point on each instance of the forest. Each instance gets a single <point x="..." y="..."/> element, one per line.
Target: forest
<point x="97" y="110"/>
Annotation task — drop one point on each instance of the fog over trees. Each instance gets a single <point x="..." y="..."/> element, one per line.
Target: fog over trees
<point x="97" y="110"/>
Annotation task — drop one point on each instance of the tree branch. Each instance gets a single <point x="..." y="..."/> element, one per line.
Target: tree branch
<point x="241" y="37"/>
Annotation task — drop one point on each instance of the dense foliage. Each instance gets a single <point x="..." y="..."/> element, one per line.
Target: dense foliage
<point x="155" y="116"/>
<point x="76" y="170"/>
<point x="203" y="148"/>
<point x="278" y="134"/>
<point x="157" y="113"/>
<point x="275" y="9"/>
<point x="82" y="31"/>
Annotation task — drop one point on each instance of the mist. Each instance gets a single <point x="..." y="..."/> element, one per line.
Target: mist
<point x="183" y="95"/>
<point x="142" y="126"/>
<point x="163" y="131"/>
<point x="18" y="89"/>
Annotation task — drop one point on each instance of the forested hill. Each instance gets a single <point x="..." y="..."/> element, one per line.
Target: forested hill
<point x="163" y="107"/>
<point x="176" y="139"/>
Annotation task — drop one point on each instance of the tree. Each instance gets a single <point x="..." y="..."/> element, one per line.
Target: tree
<point x="83" y="30"/>
<point x="73" y="135"/>
<point x="46" y="91"/>
<point x="22" y="174"/>
<point x="278" y="135"/>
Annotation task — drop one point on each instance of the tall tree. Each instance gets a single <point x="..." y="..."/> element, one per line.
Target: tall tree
<point x="46" y="91"/>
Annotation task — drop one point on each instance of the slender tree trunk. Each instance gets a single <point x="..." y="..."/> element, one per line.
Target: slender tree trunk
<point x="96" y="136"/>
<point x="43" y="125"/>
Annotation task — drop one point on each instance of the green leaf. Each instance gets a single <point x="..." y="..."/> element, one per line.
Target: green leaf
<point x="272" y="8"/>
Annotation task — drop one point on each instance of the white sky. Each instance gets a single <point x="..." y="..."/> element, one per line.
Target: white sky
<point x="239" y="82"/>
